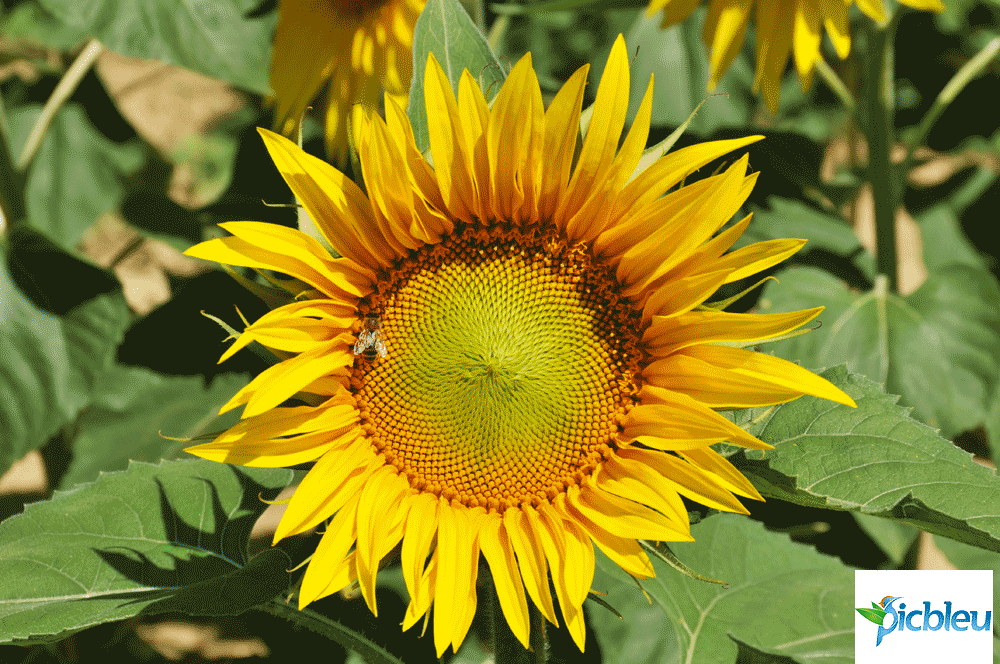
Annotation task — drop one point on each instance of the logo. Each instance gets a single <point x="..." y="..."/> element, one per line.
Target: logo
<point x="928" y="616"/>
<point x="930" y="620"/>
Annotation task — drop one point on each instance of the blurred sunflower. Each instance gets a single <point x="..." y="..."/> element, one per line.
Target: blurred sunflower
<point x="783" y="26"/>
<point x="361" y="47"/>
<point x="550" y="377"/>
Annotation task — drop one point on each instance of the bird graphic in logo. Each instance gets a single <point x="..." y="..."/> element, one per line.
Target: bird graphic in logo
<point x="878" y="611"/>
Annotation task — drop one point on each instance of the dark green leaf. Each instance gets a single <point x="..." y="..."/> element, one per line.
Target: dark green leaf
<point x="132" y="407"/>
<point x="783" y="599"/>
<point x="676" y="58"/>
<point x="214" y="37"/>
<point x="77" y="174"/>
<point x="50" y="364"/>
<point x="167" y="537"/>
<point x="893" y="537"/>
<point x="445" y="29"/>
<point x="944" y="241"/>
<point x="874" y="459"/>
<point x="938" y="347"/>
<point x="29" y="22"/>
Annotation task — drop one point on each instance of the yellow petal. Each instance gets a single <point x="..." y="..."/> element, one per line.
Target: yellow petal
<point x="452" y="163"/>
<point x="731" y="478"/>
<point x="620" y="478"/>
<point x="722" y="377"/>
<point x="380" y="501"/>
<point x="666" y="335"/>
<point x="807" y="39"/>
<point x="674" y="11"/>
<point x="499" y="553"/>
<point x="623" y="551"/>
<point x="280" y="452"/>
<point x="553" y="538"/>
<point x="456" y="541"/>
<point x="835" y="21"/>
<point x="673" y="416"/>
<point x="774" y="42"/>
<point x="327" y="487"/>
<point x="679" y="296"/>
<point x="562" y="125"/>
<point x="331" y="550"/>
<point x="337" y="206"/>
<point x="517" y="114"/>
<point x="474" y="119"/>
<point x="601" y="141"/>
<point x="623" y="517"/>
<point x="873" y="9"/>
<point x="725" y="27"/>
<point x="421" y="526"/>
<point x="531" y="560"/>
<point x="686" y="478"/>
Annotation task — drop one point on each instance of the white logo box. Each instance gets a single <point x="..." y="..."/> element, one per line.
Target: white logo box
<point x="946" y="616"/>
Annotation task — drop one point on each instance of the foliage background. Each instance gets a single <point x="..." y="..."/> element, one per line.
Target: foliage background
<point x="103" y="346"/>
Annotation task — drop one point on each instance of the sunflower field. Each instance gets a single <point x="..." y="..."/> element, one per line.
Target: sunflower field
<point x="404" y="331"/>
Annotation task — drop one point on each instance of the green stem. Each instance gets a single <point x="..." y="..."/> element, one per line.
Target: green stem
<point x="331" y="629"/>
<point x="879" y="123"/>
<point x="835" y="84"/>
<point x="506" y="646"/>
<point x="962" y="77"/>
<point x="64" y="90"/>
<point x="12" y="181"/>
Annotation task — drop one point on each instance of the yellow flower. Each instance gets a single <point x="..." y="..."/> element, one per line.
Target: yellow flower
<point x="550" y="379"/>
<point x="783" y="26"/>
<point x="361" y="47"/>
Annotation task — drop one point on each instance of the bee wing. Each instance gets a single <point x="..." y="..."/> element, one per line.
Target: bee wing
<point x="364" y="341"/>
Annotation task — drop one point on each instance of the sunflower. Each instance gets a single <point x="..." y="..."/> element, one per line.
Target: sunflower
<point x="361" y="47"/>
<point x="551" y="372"/>
<point x="783" y="26"/>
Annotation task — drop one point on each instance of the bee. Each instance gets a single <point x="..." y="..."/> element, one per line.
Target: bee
<point x="370" y="342"/>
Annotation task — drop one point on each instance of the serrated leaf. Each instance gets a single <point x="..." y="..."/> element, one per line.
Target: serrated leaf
<point x="50" y="364"/>
<point x="893" y="537"/>
<point x="131" y="407"/>
<point x="677" y="59"/>
<point x="938" y="347"/>
<point x="784" y="599"/>
<point x="445" y="29"/>
<point x="77" y="174"/>
<point x="215" y="37"/>
<point x="874" y="459"/>
<point x="166" y="537"/>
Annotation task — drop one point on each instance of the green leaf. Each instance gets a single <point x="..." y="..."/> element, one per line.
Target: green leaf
<point x="76" y="176"/>
<point x="167" y="537"/>
<point x="874" y="459"/>
<point x="789" y="218"/>
<point x="132" y="407"/>
<point x="938" y="347"/>
<point x="445" y="29"/>
<point x="676" y="58"/>
<point x="893" y="537"/>
<point x="50" y="364"/>
<point x="784" y="599"/>
<point x="945" y="241"/>
<point x="214" y="37"/>
<point x="29" y="22"/>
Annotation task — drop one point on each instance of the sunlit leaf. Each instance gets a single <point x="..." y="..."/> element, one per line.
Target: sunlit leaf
<point x="783" y="598"/>
<point x="167" y="537"/>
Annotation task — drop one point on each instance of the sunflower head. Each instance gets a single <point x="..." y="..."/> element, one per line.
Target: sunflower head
<point x="355" y="48"/>
<point x="784" y="27"/>
<point x="549" y="373"/>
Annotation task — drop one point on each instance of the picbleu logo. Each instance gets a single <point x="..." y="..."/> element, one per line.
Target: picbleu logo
<point x="959" y="620"/>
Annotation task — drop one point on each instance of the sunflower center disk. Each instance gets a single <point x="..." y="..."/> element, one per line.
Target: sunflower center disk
<point x="510" y="359"/>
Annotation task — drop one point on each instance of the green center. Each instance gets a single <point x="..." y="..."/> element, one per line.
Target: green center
<point x="510" y="360"/>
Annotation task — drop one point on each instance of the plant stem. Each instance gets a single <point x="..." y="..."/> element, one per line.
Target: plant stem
<point x="962" y="77"/>
<point x="879" y="124"/>
<point x="835" y="84"/>
<point x="508" y="649"/>
<point x="64" y="89"/>
<point x="331" y="629"/>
